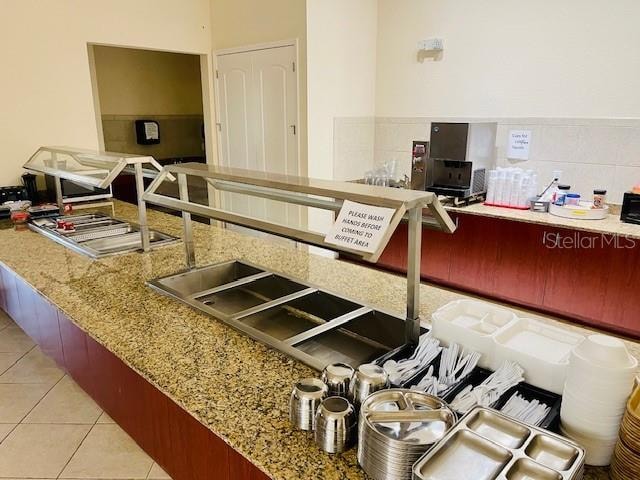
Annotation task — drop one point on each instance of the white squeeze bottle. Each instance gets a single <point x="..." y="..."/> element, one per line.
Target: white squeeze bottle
<point x="491" y="187"/>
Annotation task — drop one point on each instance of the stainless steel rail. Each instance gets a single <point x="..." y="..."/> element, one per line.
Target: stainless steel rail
<point x="408" y="205"/>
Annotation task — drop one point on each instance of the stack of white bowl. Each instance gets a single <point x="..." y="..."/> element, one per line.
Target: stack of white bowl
<point x="599" y="381"/>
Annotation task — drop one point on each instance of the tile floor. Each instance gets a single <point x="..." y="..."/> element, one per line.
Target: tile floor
<point x="50" y="428"/>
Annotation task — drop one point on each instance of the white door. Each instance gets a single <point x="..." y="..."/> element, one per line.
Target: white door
<point x="258" y="123"/>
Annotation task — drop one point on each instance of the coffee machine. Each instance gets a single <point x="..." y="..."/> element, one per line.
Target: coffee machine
<point x="460" y="156"/>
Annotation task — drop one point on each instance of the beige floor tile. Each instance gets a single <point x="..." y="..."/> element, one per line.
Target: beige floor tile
<point x="34" y="367"/>
<point x="16" y="401"/>
<point x="39" y="451"/>
<point x="108" y="453"/>
<point x="5" y="429"/>
<point x="5" y="320"/>
<point x="104" y="418"/>
<point x="65" y="403"/>
<point x="8" y="359"/>
<point x="157" y="473"/>
<point x="13" y="339"/>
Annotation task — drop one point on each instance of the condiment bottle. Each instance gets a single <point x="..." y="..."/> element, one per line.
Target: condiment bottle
<point x="599" y="198"/>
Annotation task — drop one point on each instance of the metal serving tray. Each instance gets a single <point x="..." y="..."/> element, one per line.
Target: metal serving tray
<point x="301" y="320"/>
<point x="97" y="235"/>
<point x="492" y="446"/>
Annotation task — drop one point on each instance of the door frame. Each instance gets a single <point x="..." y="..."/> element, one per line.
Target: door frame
<point x="208" y="93"/>
<point x="252" y="48"/>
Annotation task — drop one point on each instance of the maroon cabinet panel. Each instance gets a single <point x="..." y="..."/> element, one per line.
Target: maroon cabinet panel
<point x="394" y="256"/>
<point x="474" y="254"/>
<point x="240" y="468"/>
<point x="436" y="255"/>
<point x="74" y="349"/>
<point x="48" y="329"/>
<point x="579" y="265"/>
<point x="3" y="302"/>
<point x="198" y="453"/>
<point x="520" y="270"/>
<point x="12" y="303"/>
<point x="28" y="316"/>
<point x="621" y="299"/>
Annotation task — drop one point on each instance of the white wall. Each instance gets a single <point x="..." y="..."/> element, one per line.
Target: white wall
<point x="545" y="58"/>
<point x="45" y="86"/>
<point x="341" y="59"/>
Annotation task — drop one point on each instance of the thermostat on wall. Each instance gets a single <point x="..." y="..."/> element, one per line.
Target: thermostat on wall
<point x="147" y="132"/>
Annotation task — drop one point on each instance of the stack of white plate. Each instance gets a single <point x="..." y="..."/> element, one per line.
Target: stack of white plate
<point x="396" y="428"/>
<point x="599" y="381"/>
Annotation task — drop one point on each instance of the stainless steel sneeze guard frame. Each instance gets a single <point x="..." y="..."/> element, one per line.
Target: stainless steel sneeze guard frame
<point x="303" y="321"/>
<point x="408" y="205"/>
<point x="99" y="169"/>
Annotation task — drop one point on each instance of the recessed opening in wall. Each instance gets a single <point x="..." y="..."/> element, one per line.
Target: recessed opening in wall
<point x="149" y="102"/>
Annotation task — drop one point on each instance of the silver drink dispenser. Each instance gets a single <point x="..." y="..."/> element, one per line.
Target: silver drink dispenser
<point x="460" y="157"/>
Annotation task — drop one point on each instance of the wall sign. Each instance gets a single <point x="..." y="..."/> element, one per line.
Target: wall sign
<point x="519" y="142"/>
<point x="360" y="227"/>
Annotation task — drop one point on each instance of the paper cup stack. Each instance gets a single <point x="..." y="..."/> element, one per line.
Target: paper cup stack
<point x="626" y="457"/>
<point x="599" y="381"/>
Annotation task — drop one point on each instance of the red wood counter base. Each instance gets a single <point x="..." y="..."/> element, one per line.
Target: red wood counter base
<point x="589" y="278"/>
<point x="185" y="448"/>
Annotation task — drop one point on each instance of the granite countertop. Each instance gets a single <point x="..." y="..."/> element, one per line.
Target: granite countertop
<point x="232" y="384"/>
<point x="610" y="225"/>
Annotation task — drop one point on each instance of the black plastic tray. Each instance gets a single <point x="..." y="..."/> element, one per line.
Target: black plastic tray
<point x="530" y="392"/>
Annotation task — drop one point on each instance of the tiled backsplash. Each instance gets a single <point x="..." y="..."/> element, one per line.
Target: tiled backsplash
<point x="591" y="153"/>
<point x="180" y="135"/>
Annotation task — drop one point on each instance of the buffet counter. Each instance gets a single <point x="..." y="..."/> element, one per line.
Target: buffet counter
<point x="222" y="384"/>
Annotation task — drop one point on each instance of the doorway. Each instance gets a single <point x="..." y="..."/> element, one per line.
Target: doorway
<point x="257" y="92"/>
<point x="165" y="88"/>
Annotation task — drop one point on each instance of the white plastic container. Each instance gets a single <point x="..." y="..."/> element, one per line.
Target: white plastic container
<point x="583" y="211"/>
<point x="542" y="350"/>
<point x="472" y="324"/>
<point x="491" y="187"/>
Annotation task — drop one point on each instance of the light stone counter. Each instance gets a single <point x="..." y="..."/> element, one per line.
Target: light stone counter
<point x="232" y="384"/>
<point x="610" y="225"/>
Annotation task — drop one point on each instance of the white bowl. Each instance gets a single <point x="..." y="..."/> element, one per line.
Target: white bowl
<point x="597" y="453"/>
<point x="588" y="405"/>
<point x="610" y="393"/>
<point x="577" y="362"/>
<point x="605" y="351"/>
<point x="591" y="427"/>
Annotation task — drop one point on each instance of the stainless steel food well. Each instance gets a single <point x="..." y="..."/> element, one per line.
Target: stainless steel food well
<point x="97" y="235"/>
<point x="492" y="446"/>
<point x="312" y="325"/>
<point x="419" y="209"/>
<point x="396" y="428"/>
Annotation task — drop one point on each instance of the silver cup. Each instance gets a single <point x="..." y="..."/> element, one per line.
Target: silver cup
<point x="337" y="377"/>
<point x="336" y="425"/>
<point x="305" y="399"/>
<point x="367" y="379"/>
